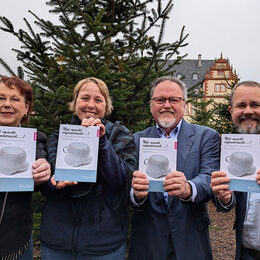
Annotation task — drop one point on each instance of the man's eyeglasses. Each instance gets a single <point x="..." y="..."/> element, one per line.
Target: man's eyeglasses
<point x="172" y="100"/>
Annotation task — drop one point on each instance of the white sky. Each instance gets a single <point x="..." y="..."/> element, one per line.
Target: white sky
<point x="227" y="26"/>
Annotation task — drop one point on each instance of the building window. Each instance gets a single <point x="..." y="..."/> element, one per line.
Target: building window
<point x="217" y="87"/>
<point x="220" y="87"/>
<point x="195" y="76"/>
<point x="220" y="73"/>
<point x="178" y="75"/>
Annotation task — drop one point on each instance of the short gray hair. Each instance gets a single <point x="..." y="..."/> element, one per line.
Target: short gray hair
<point x="180" y="83"/>
<point x="248" y="83"/>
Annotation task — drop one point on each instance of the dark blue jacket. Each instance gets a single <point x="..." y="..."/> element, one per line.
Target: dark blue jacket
<point x="185" y="221"/>
<point x="92" y="218"/>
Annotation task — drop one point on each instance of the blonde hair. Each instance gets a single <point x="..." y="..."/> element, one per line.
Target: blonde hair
<point x="103" y="89"/>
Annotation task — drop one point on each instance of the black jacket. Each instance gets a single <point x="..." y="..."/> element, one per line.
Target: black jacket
<point x="17" y="222"/>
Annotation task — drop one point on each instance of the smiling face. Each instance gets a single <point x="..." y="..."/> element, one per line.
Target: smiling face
<point x="12" y="106"/>
<point x="90" y="102"/>
<point x="245" y="110"/>
<point x="167" y="115"/>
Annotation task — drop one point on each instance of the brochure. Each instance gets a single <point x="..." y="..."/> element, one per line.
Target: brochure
<point x="77" y="153"/>
<point x="157" y="158"/>
<point x="17" y="155"/>
<point x="240" y="160"/>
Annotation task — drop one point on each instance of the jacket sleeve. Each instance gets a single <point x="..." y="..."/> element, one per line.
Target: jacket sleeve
<point x="48" y="190"/>
<point x="209" y="162"/>
<point x="117" y="157"/>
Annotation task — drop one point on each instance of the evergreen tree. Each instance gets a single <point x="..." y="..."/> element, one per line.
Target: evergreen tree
<point x="105" y="39"/>
<point x="213" y="114"/>
<point x="203" y="112"/>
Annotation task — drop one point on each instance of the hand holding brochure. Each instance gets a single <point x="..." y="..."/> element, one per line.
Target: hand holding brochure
<point x="239" y="159"/>
<point x="157" y="158"/>
<point x="77" y="153"/>
<point x="17" y="155"/>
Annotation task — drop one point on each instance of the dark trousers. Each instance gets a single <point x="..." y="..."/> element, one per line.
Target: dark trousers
<point x="249" y="254"/>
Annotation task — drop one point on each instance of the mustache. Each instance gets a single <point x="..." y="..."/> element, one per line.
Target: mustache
<point x="253" y="117"/>
<point x="168" y="111"/>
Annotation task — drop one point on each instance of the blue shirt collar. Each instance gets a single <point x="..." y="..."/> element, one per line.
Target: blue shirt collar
<point x="173" y="134"/>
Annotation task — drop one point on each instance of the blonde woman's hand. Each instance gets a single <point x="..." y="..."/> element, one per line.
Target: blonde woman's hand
<point x="94" y="122"/>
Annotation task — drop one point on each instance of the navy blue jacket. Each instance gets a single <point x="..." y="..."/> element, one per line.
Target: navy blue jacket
<point x="185" y="221"/>
<point x="92" y="218"/>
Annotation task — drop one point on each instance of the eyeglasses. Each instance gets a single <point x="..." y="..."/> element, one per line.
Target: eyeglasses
<point x="172" y="100"/>
<point x="12" y="100"/>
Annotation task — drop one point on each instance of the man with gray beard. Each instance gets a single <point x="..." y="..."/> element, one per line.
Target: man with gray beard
<point x="174" y="224"/>
<point x="245" y="111"/>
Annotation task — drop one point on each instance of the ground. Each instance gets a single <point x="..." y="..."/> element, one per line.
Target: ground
<point x="222" y="235"/>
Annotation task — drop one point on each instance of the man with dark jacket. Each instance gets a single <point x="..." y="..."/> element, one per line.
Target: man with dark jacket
<point x="174" y="224"/>
<point x="245" y="112"/>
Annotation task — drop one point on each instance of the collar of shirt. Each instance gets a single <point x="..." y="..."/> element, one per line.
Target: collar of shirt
<point x="173" y="134"/>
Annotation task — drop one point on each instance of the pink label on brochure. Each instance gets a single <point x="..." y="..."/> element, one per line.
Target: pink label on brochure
<point x="98" y="133"/>
<point x="34" y="136"/>
<point x="175" y="145"/>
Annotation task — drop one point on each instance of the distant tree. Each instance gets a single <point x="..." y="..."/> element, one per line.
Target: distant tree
<point x="109" y="40"/>
<point x="213" y="114"/>
<point x="203" y="112"/>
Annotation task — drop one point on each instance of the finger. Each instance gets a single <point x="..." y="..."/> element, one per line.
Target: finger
<point x="39" y="162"/>
<point x="220" y="188"/>
<point x="218" y="174"/>
<point x="53" y="182"/>
<point x="219" y="181"/>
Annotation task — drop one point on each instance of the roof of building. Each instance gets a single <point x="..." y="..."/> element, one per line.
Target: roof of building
<point x="193" y="71"/>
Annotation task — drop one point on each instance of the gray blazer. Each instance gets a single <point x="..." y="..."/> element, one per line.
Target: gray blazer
<point x="185" y="221"/>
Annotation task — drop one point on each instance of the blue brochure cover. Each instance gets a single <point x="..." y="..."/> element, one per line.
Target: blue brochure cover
<point x="77" y="153"/>
<point x="240" y="160"/>
<point x="17" y="155"/>
<point x="157" y="158"/>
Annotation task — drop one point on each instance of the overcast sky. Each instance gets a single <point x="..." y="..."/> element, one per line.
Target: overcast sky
<point x="230" y="27"/>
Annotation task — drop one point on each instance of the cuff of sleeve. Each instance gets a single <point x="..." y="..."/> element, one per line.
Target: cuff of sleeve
<point x="132" y="198"/>
<point x="193" y="192"/>
<point x="226" y="206"/>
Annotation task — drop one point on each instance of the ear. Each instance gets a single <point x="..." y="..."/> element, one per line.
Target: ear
<point x="230" y="109"/>
<point x="27" y="108"/>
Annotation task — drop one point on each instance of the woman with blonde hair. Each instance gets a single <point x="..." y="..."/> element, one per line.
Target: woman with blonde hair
<point x="90" y="220"/>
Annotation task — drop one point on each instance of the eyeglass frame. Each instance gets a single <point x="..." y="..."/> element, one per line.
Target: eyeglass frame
<point x="165" y="99"/>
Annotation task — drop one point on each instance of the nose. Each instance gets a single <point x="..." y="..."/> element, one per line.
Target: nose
<point x="167" y="104"/>
<point x="7" y="102"/>
<point x="91" y="103"/>
<point x="248" y="110"/>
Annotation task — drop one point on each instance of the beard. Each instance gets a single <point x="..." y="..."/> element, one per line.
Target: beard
<point x="166" y="123"/>
<point x="248" y="128"/>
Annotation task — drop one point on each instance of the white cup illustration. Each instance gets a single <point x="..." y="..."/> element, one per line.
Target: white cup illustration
<point x="12" y="160"/>
<point x="240" y="164"/>
<point x="157" y="166"/>
<point x="77" y="154"/>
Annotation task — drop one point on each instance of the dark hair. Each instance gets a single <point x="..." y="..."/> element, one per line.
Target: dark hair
<point x="25" y="90"/>
<point x="248" y="83"/>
